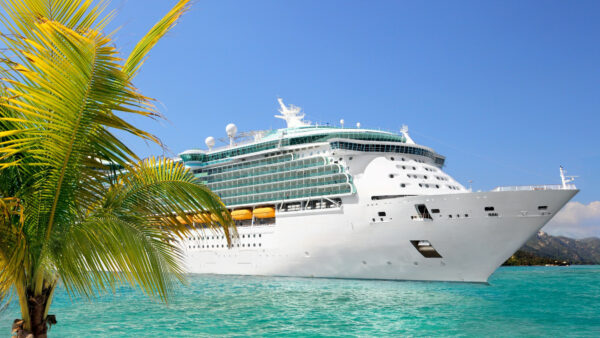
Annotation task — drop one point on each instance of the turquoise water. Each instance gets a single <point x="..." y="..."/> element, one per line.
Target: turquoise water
<point x="519" y="301"/>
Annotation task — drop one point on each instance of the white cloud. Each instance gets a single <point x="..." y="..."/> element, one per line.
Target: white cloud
<point x="576" y="220"/>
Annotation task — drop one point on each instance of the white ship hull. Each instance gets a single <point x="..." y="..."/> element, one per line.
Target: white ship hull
<point x="353" y="241"/>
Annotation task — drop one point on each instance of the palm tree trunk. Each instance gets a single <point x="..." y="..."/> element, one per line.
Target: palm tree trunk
<point x="38" y="314"/>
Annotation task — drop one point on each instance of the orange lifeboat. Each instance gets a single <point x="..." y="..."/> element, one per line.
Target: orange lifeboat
<point x="241" y="214"/>
<point x="266" y="212"/>
<point x="181" y="220"/>
<point x="202" y="218"/>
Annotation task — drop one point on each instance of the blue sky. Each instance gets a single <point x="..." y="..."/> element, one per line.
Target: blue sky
<point x="506" y="90"/>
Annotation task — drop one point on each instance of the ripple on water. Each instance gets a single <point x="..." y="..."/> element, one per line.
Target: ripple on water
<point x="518" y="301"/>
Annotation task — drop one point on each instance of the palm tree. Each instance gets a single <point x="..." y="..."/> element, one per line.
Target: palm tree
<point x="77" y="207"/>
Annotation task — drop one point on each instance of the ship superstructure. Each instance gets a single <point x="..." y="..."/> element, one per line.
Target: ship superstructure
<point x="327" y="201"/>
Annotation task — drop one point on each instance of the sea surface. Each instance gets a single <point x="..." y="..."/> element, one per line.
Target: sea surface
<point x="518" y="301"/>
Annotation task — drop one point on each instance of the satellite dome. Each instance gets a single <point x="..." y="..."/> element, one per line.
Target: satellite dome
<point x="210" y="142"/>
<point x="231" y="129"/>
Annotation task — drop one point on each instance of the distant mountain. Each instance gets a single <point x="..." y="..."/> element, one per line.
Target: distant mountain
<point x="546" y="249"/>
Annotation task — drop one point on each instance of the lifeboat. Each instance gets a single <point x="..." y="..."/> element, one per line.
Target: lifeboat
<point x="241" y="214"/>
<point x="266" y="212"/>
<point x="202" y="218"/>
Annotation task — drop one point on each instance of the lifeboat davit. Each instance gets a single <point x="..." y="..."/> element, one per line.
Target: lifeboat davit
<point x="241" y="215"/>
<point x="266" y="212"/>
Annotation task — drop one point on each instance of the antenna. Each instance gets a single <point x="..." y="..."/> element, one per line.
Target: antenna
<point x="210" y="142"/>
<point x="342" y="122"/>
<point x="565" y="179"/>
<point x="231" y="130"/>
<point x="357" y="124"/>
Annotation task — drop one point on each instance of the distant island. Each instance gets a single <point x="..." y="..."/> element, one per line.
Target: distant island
<point x="544" y="249"/>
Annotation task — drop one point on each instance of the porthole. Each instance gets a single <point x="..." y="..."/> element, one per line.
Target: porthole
<point x="391" y="175"/>
<point x="414" y="168"/>
<point x="259" y="235"/>
<point x="403" y="167"/>
<point x="403" y="185"/>
<point x="259" y="244"/>
<point x="420" y="185"/>
<point x="425" y="177"/>
<point x="254" y="244"/>
<point x="243" y="245"/>
<point x="254" y="235"/>
<point x="392" y="158"/>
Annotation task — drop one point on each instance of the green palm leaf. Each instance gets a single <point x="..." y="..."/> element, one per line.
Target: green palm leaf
<point x="63" y="217"/>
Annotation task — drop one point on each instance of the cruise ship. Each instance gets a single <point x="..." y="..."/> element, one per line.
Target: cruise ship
<point x="332" y="201"/>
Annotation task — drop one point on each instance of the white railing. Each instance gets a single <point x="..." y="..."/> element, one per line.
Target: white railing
<point x="536" y="187"/>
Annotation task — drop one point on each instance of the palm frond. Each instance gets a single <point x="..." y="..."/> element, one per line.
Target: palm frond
<point x="140" y="51"/>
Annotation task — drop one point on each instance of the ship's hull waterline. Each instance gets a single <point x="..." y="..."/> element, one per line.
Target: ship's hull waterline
<point x="380" y="239"/>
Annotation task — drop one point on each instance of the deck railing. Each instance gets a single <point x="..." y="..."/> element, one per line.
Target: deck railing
<point x="536" y="187"/>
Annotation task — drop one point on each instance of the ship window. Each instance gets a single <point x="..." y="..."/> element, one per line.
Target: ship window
<point x="373" y="219"/>
<point x="435" y="211"/>
<point x="259" y="244"/>
<point x="392" y="158"/>
<point x="466" y="215"/>
<point x="391" y="175"/>
<point x="449" y="216"/>
<point x="426" y="249"/>
<point x="403" y="185"/>
<point x="489" y="208"/>
<point x="493" y="214"/>
<point x="259" y="235"/>
<point x="381" y="214"/>
<point x="422" y="211"/>
<point x="543" y="207"/>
